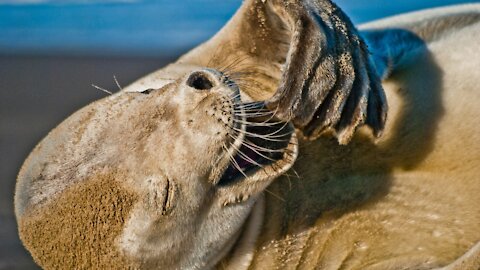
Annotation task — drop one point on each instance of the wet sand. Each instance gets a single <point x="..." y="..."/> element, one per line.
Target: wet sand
<point x="36" y="94"/>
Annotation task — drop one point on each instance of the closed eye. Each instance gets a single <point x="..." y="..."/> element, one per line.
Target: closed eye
<point x="147" y="91"/>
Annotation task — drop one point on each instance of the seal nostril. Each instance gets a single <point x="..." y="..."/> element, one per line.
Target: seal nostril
<point x="199" y="81"/>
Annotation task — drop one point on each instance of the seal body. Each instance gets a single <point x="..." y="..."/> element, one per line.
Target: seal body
<point x="409" y="201"/>
<point x="144" y="178"/>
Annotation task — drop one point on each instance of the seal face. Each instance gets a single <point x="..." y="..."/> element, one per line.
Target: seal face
<point x="187" y="157"/>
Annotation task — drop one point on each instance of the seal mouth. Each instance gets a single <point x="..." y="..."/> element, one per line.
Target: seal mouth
<point x="264" y="146"/>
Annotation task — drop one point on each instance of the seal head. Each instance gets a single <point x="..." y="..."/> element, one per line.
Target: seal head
<point x="191" y="157"/>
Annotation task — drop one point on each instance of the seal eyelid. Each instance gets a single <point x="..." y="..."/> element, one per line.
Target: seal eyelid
<point x="147" y="91"/>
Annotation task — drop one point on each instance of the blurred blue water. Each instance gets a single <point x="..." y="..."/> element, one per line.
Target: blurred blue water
<point x="141" y="27"/>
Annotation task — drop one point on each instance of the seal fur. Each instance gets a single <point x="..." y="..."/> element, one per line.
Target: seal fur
<point x="76" y="194"/>
<point x="408" y="202"/>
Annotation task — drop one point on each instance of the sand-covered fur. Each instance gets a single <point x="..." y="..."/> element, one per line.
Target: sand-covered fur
<point x="91" y="213"/>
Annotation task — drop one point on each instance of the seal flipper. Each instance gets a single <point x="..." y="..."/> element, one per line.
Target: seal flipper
<point x="305" y="59"/>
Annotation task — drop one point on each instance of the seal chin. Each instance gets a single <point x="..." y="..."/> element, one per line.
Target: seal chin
<point x="264" y="148"/>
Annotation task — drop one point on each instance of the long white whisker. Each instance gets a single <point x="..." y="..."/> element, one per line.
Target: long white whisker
<point x="116" y="81"/>
<point x="258" y="136"/>
<point x="260" y="124"/>
<point x="275" y="134"/>
<point x="246" y="157"/>
<point x="260" y="166"/>
<point x="260" y="148"/>
<point x="264" y="137"/>
<point x="234" y="162"/>
<point x="270" y="135"/>
<point x="275" y="195"/>
<point x="230" y="156"/>
<point x="101" y="89"/>
<point x="252" y="115"/>
<point x="251" y="110"/>
<point x="236" y="96"/>
<point x="265" y="112"/>
<point x="251" y="105"/>
<point x="273" y="115"/>
<point x="260" y="154"/>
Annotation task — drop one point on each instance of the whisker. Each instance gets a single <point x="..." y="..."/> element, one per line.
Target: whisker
<point x="273" y="165"/>
<point x="251" y="105"/>
<point x="235" y="62"/>
<point x="242" y="74"/>
<point x="296" y="173"/>
<point x="253" y="114"/>
<point x="275" y="195"/>
<point x="239" y="61"/>
<point x="247" y="158"/>
<point x="270" y="135"/>
<point x="251" y="109"/>
<point x="271" y="116"/>
<point x="251" y="146"/>
<point x="116" y="82"/>
<point x="214" y="56"/>
<point x="289" y="182"/>
<point x="275" y="133"/>
<point x="264" y="113"/>
<point x="234" y="162"/>
<point x="236" y="96"/>
<point x="276" y="136"/>
<point x="266" y="138"/>
<point x="260" y="148"/>
<point x="259" y="124"/>
<point x="247" y="110"/>
<point x="101" y="89"/>
<point x="260" y="154"/>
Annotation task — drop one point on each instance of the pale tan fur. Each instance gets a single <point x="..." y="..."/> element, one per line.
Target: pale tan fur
<point x="303" y="57"/>
<point x="408" y="201"/>
<point x="134" y="177"/>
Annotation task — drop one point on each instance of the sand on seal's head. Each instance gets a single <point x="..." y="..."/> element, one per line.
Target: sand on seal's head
<point x="94" y="211"/>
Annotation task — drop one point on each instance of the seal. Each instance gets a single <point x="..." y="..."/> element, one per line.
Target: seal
<point x="304" y="58"/>
<point x="186" y="169"/>
<point x="409" y="200"/>
<point x="197" y="156"/>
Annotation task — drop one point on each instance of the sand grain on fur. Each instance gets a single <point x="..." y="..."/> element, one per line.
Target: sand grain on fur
<point x="91" y="212"/>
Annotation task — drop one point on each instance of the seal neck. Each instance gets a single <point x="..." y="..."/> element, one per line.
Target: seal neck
<point x="241" y="254"/>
